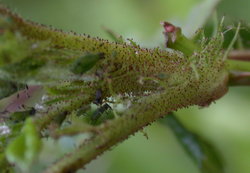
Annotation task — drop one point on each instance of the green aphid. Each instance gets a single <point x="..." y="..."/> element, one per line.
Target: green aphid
<point x="85" y="63"/>
<point x="98" y="113"/>
<point x="96" y="116"/>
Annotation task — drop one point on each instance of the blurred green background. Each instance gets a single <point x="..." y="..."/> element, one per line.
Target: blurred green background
<point x="226" y="123"/>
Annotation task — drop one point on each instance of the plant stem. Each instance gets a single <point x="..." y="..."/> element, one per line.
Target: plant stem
<point x="141" y="114"/>
<point x="236" y="65"/>
<point x="239" y="79"/>
<point x="121" y="70"/>
<point x="242" y="55"/>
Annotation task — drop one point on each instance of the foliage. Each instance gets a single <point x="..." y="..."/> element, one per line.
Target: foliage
<point x="23" y="150"/>
<point x="104" y="90"/>
<point x="201" y="151"/>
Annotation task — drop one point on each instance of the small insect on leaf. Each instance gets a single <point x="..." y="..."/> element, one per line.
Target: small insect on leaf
<point x="85" y="63"/>
<point x="100" y="111"/>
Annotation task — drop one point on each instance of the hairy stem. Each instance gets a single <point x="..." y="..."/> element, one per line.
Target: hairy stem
<point x="138" y="116"/>
<point x="174" y="80"/>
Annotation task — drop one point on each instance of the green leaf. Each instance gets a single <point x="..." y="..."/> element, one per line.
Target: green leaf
<point x="26" y="67"/>
<point x="4" y="165"/>
<point x="13" y="48"/>
<point x="24" y="149"/>
<point x="200" y="150"/>
<point x="85" y="63"/>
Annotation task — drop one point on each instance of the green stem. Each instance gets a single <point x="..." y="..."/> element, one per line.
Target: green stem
<point x="73" y="41"/>
<point x="182" y="88"/>
<point x="236" y="65"/>
<point x="241" y="55"/>
<point x="141" y="114"/>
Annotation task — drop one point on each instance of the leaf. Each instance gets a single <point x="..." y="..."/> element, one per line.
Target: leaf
<point x="13" y="48"/>
<point x="4" y="165"/>
<point x="200" y="151"/>
<point x="26" y="67"/>
<point x="24" y="149"/>
<point x="85" y="63"/>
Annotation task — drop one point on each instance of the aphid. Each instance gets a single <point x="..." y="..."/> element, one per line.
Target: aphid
<point x="97" y="114"/>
